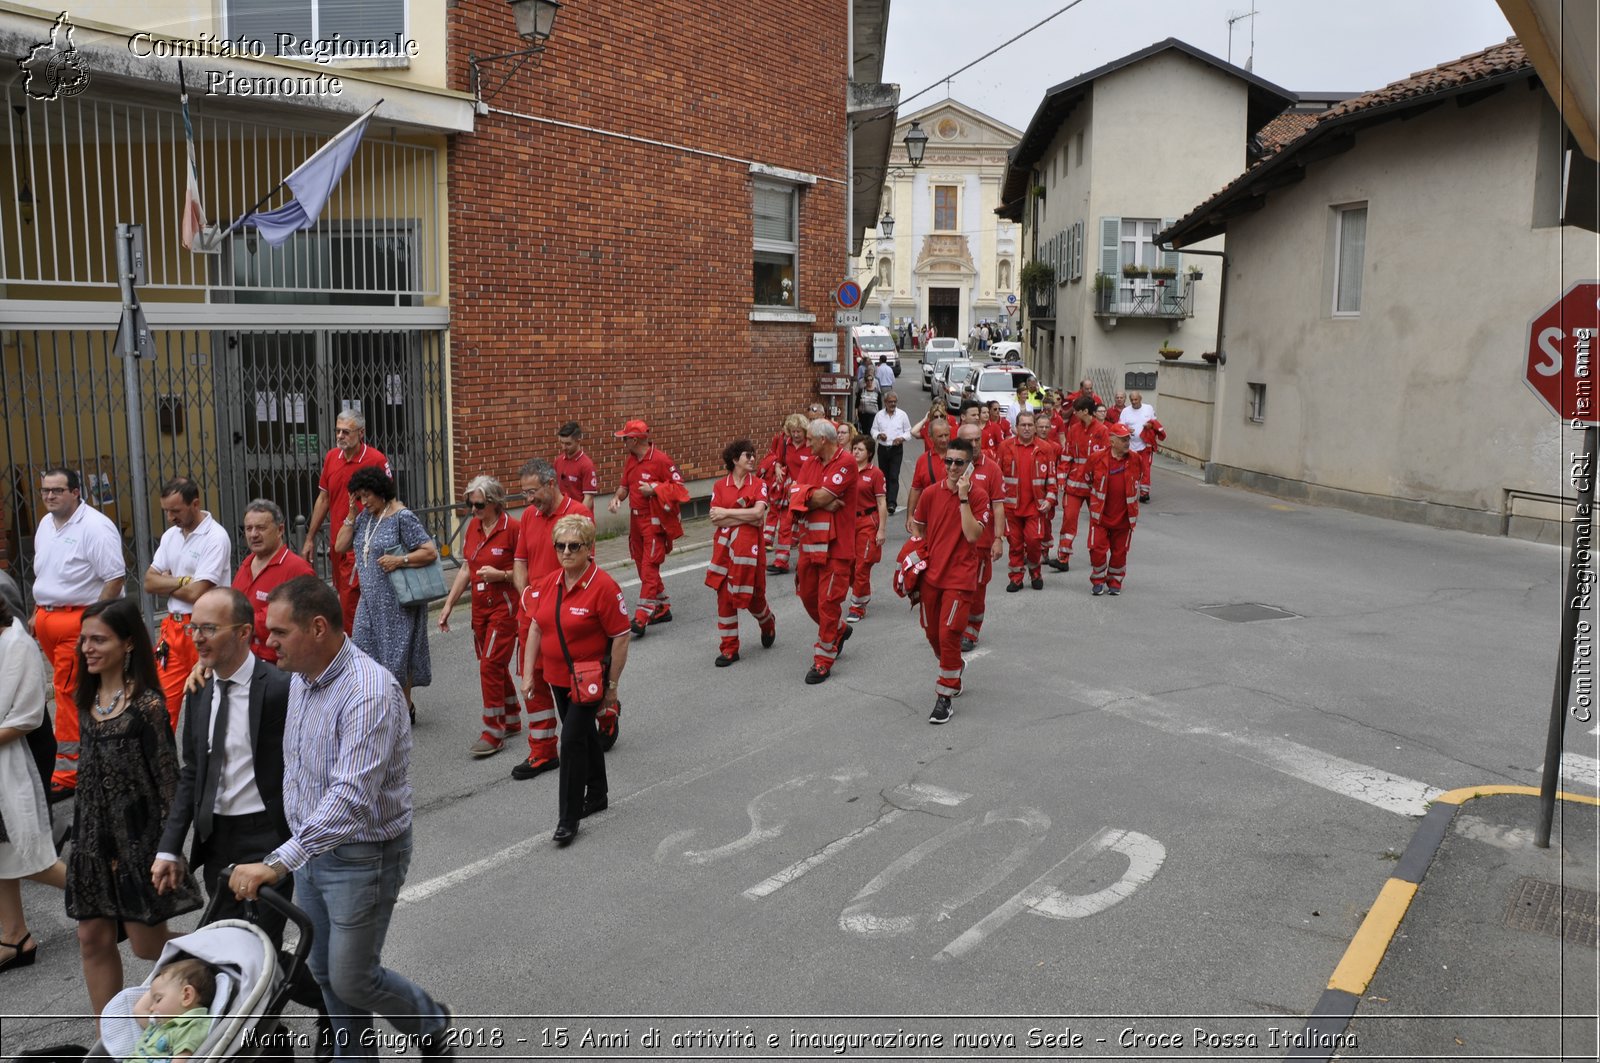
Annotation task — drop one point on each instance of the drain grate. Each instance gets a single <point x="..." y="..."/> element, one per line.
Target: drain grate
<point x="1247" y="612"/>
<point x="1572" y="915"/>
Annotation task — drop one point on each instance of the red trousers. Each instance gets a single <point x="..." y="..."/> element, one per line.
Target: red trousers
<point x="347" y="586"/>
<point x="1071" y="505"/>
<point x="1145" y="458"/>
<point x="1108" y="553"/>
<point x="181" y="659"/>
<point x="944" y="618"/>
<point x="728" y="614"/>
<point x="647" y="545"/>
<point x="779" y="532"/>
<point x="980" y="598"/>
<point x="57" y="630"/>
<point x="822" y="583"/>
<point x="494" y="640"/>
<point x="868" y="553"/>
<point x="1026" y="537"/>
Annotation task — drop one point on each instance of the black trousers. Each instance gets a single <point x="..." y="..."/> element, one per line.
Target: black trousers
<point x="583" y="762"/>
<point x="889" y="462"/>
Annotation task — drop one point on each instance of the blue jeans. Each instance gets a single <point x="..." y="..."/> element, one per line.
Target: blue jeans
<point x="349" y="893"/>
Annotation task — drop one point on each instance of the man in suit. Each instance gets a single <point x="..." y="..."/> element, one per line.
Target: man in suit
<point x="231" y="786"/>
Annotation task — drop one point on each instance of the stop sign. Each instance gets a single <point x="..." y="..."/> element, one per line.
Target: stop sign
<point x="1561" y="357"/>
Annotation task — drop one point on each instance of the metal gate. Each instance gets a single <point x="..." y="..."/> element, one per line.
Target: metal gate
<point x="246" y="414"/>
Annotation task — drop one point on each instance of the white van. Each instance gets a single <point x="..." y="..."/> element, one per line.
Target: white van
<point x="875" y="344"/>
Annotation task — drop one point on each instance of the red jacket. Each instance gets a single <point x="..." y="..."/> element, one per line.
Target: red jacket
<point x="1152" y="433"/>
<point x="738" y="550"/>
<point x="658" y="511"/>
<point x="1083" y="443"/>
<point x="1100" y="467"/>
<point x="1027" y="471"/>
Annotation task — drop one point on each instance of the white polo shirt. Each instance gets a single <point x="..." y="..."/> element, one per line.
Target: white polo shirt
<point x="1136" y="419"/>
<point x="73" y="563"/>
<point x="205" y="553"/>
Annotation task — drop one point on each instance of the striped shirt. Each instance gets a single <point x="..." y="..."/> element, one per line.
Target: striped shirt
<point x="346" y="758"/>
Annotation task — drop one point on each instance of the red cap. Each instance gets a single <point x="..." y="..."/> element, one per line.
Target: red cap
<point x="1120" y="429"/>
<point x="634" y="430"/>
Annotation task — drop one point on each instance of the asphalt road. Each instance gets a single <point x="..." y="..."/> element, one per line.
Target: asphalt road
<point x="1139" y="812"/>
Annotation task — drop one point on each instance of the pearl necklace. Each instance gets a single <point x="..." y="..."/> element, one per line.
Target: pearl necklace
<point x="111" y="709"/>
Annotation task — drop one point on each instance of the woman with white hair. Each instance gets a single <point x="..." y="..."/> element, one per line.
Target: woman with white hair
<point x="487" y="555"/>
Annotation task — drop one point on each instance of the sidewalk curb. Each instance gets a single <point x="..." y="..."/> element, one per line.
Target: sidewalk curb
<point x="1328" y="1020"/>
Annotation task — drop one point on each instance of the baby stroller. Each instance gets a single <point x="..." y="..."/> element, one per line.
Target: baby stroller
<point x="253" y="986"/>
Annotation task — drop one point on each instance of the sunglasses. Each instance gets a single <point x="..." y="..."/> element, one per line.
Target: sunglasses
<point x="569" y="548"/>
<point x="477" y="505"/>
<point x="955" y="463"/>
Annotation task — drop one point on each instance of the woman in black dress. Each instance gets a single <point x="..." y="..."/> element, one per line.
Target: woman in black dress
<point x="127" y="776"/>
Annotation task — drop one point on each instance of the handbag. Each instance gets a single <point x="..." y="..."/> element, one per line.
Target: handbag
<point x="416" y="586"/>
<point x="588" y="677"/>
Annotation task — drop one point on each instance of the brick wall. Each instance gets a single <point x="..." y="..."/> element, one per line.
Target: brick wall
<point x="598" y="278"/>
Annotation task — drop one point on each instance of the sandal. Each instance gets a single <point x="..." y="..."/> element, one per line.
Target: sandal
<point x="20" y="958"/>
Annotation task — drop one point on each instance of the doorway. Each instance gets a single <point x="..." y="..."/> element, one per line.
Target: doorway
<point x="944" y="311"/>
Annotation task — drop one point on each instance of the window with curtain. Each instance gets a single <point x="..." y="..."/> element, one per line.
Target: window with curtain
<point x="944" y="208"/>
<point x="777" y="244"/>
<point x="1350" y="254"/>
<point x="316" y="20"/>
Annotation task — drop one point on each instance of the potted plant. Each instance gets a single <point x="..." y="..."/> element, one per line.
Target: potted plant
<point x="1195" y="274"/>
<point x="1133" y="269"/>
<point x="1164" y="272"/>
<point x="1104" y="282"/>
<point x="1036" y="279"/>
<point x="1210" y="356"/>
<point x="1168" y="351"/>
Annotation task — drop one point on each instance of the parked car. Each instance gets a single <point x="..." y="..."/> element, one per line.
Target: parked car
<point x="939" y="349"/>
<point x="1006" y="351"/>
<point x="950" y="382"/>
<point x="875" y="344"/>
<point x="1000" y="384"/>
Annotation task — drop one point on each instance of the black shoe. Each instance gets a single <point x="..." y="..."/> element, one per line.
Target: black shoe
<point x="814" y="677"/>
<point x="1113" y="591"/>
<point x="527" y="769"/>
<point x="413" y="709"/>
<point x="777" y="570"/>
<point x="59" y="793"/>
<point x="844" y="637"/>
<point x="891" y="511"/>
<point x="1012" y="588"/>
<point x="663" y="616"/>
<point x="1059" y="565"/>
<point x="768" y="638"/>
<point x="436" y="1045"/>
<point x="941" y="710"/>
<point x="723" y="659"/>
<point x="1099" y="589"/>
<point x="637" y="629"/>
<point x="1144" y="498"/>
<point x="596" y="804"/>
<point x="1038" y="583"/>
<point x="968" y="645"/>
<point x="564" y="834"/>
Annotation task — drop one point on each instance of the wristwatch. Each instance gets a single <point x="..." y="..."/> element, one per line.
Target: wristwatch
<point x="278" y="868"/>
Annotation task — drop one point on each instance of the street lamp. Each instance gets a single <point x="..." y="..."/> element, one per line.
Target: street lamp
<point x="916" y="142"/>
<point x="886" y="224"/>
<point x="535" y="21"/>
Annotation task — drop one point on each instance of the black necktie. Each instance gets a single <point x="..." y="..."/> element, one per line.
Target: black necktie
<point x="219" y="737"/>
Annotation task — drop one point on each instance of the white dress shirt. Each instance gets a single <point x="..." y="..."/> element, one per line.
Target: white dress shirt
<point x="73" y="563"/>
<point x="203" y="554"/>
<point x="895" y="426"/>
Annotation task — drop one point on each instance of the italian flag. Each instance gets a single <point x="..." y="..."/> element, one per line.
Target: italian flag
<point x="194" y="214"/>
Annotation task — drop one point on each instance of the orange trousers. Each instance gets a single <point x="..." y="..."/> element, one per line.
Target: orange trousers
<point x="57" y="630"/>
<point x="180" y="660"/>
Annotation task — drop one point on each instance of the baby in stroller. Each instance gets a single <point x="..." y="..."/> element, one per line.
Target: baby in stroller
<point x="175" y="1011"/>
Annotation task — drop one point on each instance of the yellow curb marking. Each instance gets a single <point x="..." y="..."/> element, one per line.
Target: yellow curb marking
<point x="1360" y="961"/>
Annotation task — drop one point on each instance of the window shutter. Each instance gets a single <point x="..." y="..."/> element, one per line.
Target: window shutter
<point x="1173" y="290"/>
<point x="1077" y="240"/>
<point x="1169" y="258"/>
<point x="774" y="214"/>
<point x="1111" y="246"/>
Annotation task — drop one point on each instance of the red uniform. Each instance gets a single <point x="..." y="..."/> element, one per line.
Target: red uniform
<point x="652" y="527"/>
<point x="536" y="549"/>
<point x="780" y="467"/>
<point x="494" y="620"/>
<point x="870" y="490"/>
<point x="284" y="566"/>
<point x="1083" y="443"/>
<point x="985" y="474"/>
<point x="827" y="549"/>
<point x="592" y="614"/>
<point x="929" y="470"/>
<point x="335" y="479"/>
<point x="1151" y="434"/>
<point x="951" y="578"/>
<point x="575" y="476"/>
<point x="1028" y="473"/>
<point x="1113" y="511"/>
<point x="1114" y="414"/>
<point x="738" y="569"/>
<point x="927" y="428"/>
<point x="994" y="433"/>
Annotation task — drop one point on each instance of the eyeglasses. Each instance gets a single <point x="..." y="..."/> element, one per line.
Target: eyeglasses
<point x="569" y="548"/>
<point x="209" y="630"/>
<point x="48" y="491"/>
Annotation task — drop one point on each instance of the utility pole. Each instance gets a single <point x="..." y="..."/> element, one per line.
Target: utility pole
<point x="134" y="342"/>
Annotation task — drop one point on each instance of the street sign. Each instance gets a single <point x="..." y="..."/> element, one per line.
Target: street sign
<point x="1011" y="308"/>
<point x="1560" y="363"/>
<point x="835" y="384"/>
<point x="848" y="295"/>
<point x="846" y="318"/>
<point x="824" y="347"/>
<point x="1011" y="300"/>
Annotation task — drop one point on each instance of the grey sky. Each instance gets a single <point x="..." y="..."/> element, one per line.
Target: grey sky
<point x="1345" y="46"/>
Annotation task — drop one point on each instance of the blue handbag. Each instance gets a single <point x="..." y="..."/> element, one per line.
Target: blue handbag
<point x="416" y="586"/>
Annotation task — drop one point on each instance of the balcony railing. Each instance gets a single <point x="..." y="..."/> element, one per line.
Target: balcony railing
<point x="1163" y="297"/>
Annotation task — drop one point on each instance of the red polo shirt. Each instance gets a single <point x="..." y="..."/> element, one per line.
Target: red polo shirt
<point x="986" y="474"/>
<point x="535" y="544"/>
<point x="870" y="486"/>
<point x="335" y="479"/>
<point x="284" y="566"/>
<point x="576" y="476"/>
<point x="952" y="561"/>
<point x="839" y="478"/>
<point x="497" y="549"/>
<point x="920" y="478"/>
<point x="592" y="614"/>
